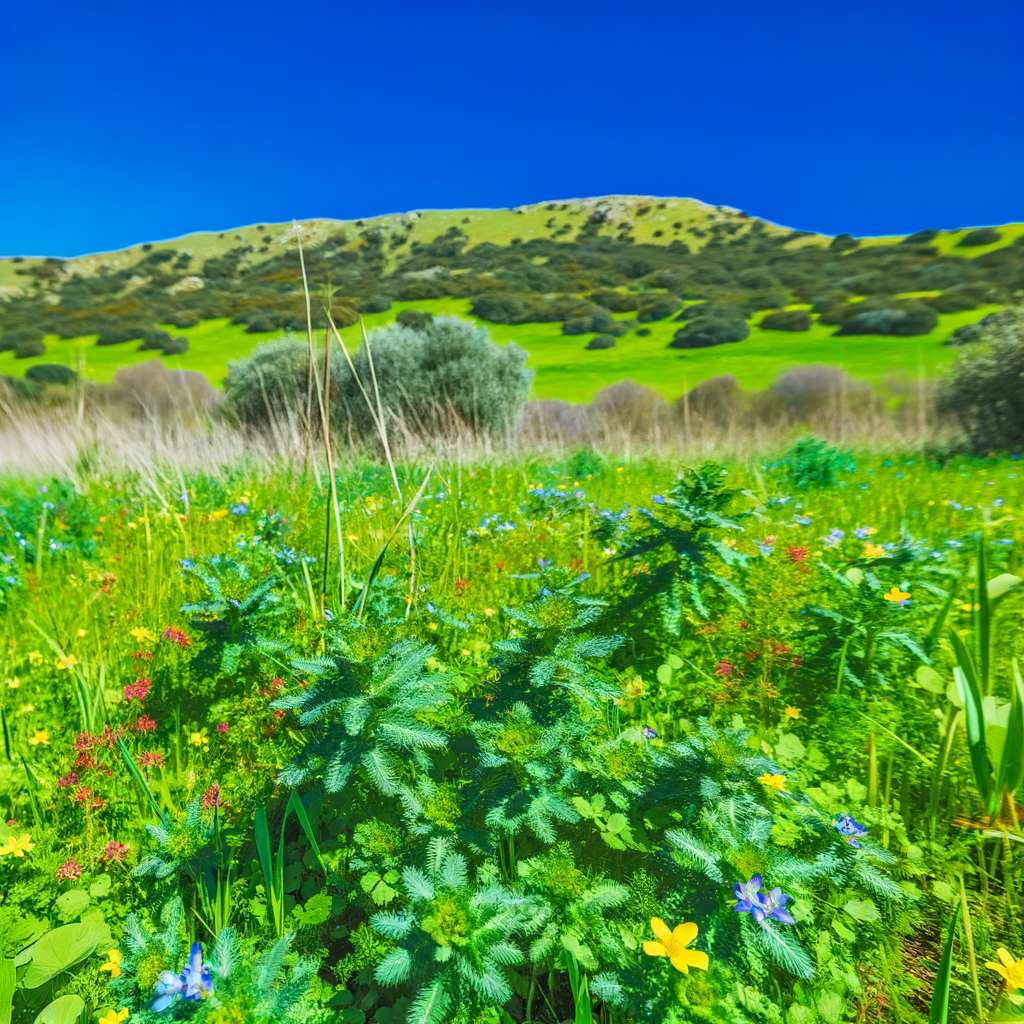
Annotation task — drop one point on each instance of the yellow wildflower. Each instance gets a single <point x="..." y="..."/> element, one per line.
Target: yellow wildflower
<point x="80" y="634"/>
<point x="897" y="596"/>
<point x="673" y="945"/>
<point x="26" y="709"/>
<point x="66" y="661"/>
<point x="17" y="847"/>
<point x="792" y="713"/>
<point x="113" y="963"/>
<point x="35" y="658"/>
<point x="199" y="739"/>
<point x="777" y="782"/>
<point x="1011" y="970"/>
<point x="14" y="682"/>
<point x="115" y="1018"/>
<point x="39" y="736"/>
<point x="221" y="513"/>
<point x="142" y="635"/>
<point x="873" y="551"/>
<point x="489" y="612"/>
<point x="635" y="687"/>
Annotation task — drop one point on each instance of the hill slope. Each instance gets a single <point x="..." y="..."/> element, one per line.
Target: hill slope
<point x="551" y="276"/>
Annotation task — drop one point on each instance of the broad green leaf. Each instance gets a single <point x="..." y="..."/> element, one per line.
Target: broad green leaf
<point x="789" y="749"/>
<point x="613" y="840"/>
<point x="583" y="807"/>
<point x="855" y="576"/>
<point x="842" y="931"/>
<point x="368" y="881"/>
<point x="8" y="974"/>
<point x="1002" y="584"/>
<point x="974" y="716"/>
<point x="616" y="823"/>
<point x="674" y="661"/>
<point x="71" y="903"/>
<point x="64" y="1010"/>
<point x="23" y="933"/>
<point x="100" y="887"/>
<point x="862" y="910"/>
<point x="928" y="679"/>
<point x="664" y="674"/>
<point x="60" y="949"/>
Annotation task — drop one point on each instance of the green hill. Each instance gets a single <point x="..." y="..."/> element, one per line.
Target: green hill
<point x="547" y="272"/>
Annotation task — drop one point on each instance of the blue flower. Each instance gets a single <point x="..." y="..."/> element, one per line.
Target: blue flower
<point x="241" y="509"/>
<point x="196" y="975"/>
<point x="657" y="499"/>
<point x="803" y="520"/>
<point x="833" y="537"/>
<point x="998" y="501"/>
<point x="648" y="733"/>
<point x="748" y="895"/>
<point x="773" y="905"/>
<point x="848" y="826"/>
<point x="863" y="532"/>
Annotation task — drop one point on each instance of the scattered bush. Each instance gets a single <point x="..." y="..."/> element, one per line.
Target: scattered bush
<point x="707" y="331"/>
<point x="983" y="389"/>
<point x="921" y="237"/>
<point x="11" y="339"/>
<point x="660" y="308"/>
<point x="617" y="302"/>
<point x="718" y="400"/>
<point x="843" y="242"/>
<point x="183" y="318"/>
<point x="29" y="348"/>
<point x="601" y="341"/>
<point x="979" y="236"/>
<point x="958" y="298"/>
<point x="601" y="321"/>
<point x="787" y="320"/>
<point x="176" y="346"/>
<point x="806" y="391"/>
<point x="813" y="463"/>
<point x="643" y="332"/>
<point x="499" y="307"/>
<point x="968" y="334"/>
<point x="157" y="340"/>
<point x="902" y="321"/>
<point x="414" y="319"/>
<point x="51" y="373"/>
<point x="374" y="304"/>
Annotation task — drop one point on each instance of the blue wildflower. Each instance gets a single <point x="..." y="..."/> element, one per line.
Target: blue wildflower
<point x="997" y="502"/>
<point x="241" y="509"/>
<point x="648" y="733"/>
<point x="657" y="499"/>
<point x="773" y="905"/>
<point x="863" y="532"/>
<point x="194" y="982"/>
<point x="803" y="520"/>
<point x="748" y="895"/>
<point x="848" y="826"/>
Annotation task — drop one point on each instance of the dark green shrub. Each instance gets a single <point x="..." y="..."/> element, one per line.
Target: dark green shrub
<point x="12" y="338"/>
<point x="374" y="304"/>
<point x="787" y="320"/>
<point x="156" y="339"/>
<point x="601" y="321"/>
<point x="758" y="278"/>
<point x="499" y="307"/>
<point x="643" y="332"/>
<point x="51" y="373"/>
<point x="901" y="321"/>
<point x="979" y="236"/>
<point x="29" y="348"/>
<point x="617" y="302"/>
<point x="983" y="389"/>
<point x="176" y="346"/>
<point x="961" y="297"/>
<point x="696" y="310"/>
<point x="811" y="462"/>
<point x="921" y="237"/>
<point x="275" y="320"/>
<point x="843" y="242"/>
<point x="707" y="331"/>
<point x="838" y="313"/>
<point x="414" y="319"/>
<point x="970" y="333"/>
<point x="660" y="308"/>
<point x="183" y="318"/>
<point x="601" y="341"/>
<point x="431" y="288"/>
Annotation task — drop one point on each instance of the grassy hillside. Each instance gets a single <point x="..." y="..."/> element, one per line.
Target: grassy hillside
<point x="227" y="291"/>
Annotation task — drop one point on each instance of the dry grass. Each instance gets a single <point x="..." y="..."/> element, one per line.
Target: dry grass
<point x="170" y="424"/>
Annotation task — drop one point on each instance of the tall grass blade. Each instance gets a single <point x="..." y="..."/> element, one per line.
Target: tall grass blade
<point x="939" y="1010"/>
<point x="139" y="778"/>
<point x="974" y="715"/>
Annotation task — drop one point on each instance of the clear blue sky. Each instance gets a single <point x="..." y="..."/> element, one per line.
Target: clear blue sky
<point x="122" y="122"/>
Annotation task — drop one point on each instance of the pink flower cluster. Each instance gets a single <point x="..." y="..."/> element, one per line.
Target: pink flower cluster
<point x="145" y="724"/>
<point x="69" y="871"/>
<point x="211" y="798"/>
<point x="151" y="759"/>
<point x="139" y="690"/>
<point x="147" y="655"/>
<point x="176" y="636"/>
<point x="114" y="851"/>
<point x="222" y="728"/>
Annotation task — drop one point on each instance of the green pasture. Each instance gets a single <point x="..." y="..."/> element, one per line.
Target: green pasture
<point x="564" y="367"/>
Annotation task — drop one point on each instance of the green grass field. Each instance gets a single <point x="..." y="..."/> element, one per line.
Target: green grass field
<point x="564" y="368"/>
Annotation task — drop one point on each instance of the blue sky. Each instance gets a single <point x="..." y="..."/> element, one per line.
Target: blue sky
<point x="127" y="122"/>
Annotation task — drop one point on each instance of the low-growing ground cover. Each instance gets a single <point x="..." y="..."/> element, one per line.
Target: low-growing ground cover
<point x="621" y="743"/>
<point x="564" y="368"/>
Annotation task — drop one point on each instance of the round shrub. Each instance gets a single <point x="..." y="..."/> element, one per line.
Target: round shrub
<point x="658" y="309"/>
<point x="921" y="237"/>
<point x="982" y="390"/>
<point x="183" y="318"/>
<point x="843" y="242"/>
<point x="601" y="341"/>
<point x="414" y="319"/>
<point x="29" y="348"/>
<point x="787" y="320"/>
<point x="374" y="304"/>
<point x="643" y="332"/>
<point x="499" y="307"/>
<point x="971" y="333"/>
<point x="51" y="373"/>
<point x="837" y="313"/>
<point x="979" y="236"/>
<point x="954" y="300"/>
<point x="11" y="339"/>
<point x="901" y="321"/>
<point x="155" y="339"/>
<point x="176" y="346"/>
<point x="707" y="331"/>
<point x="617" y="302"/>
<point x="450" y="368"/>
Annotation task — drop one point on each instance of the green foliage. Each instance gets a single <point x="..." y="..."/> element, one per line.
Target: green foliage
<point x="811" y="462"/>
<point x="787" y="320"/>
<point x="707" y="331"/>
<point x="51" y="373"/>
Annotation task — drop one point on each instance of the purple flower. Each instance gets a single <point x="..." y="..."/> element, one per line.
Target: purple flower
<point x="194" y="982"/>
<point x="997" y="502"/>
<point x="648" y="733"/>
<point x="863" y="532"/>
<point x="748" y="895"/>
<point x="657" y="499"/>
<point x="848" y="826"/>
<point x="773" y="905"/>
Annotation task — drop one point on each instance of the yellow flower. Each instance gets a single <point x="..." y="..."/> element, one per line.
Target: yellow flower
<point x="35" y="658"/>
<point x="80" y="634"/>
<point x="1011" y="970"/>
<point x="673" y="945"/>
<point x="14" y="682"/>
<point x="896" y="595"/>
<point x="115" y="1018"/>
<point x="113" y="963"/>
<point x="635" y="688"/>
<point x="142" y="635"/>
<point x="791" y="712"/>
<point x="873" y="551"/>
<point x="777" y="782"/>
<point x="26" y="709"/>
<point x="39" y="736"/>
<point x="221" y="513"/>
<point x="199" y="739"/>
<point x="17" y="847"/>
<point x="66" y="662"/>
<point x="488" y="612"/>
<point x="970" y="607"/>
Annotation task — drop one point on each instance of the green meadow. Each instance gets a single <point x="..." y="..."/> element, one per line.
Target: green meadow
<point x="564" y="367"/>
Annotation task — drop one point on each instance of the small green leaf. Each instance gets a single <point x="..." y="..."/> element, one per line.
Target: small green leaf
<point x="1002" y="584"/>
<point x="613" y="840"/>
<point x="70" y="904"/>
<point x="675" y="662"/>
<point x="862" y="910"/>
<point x="617" y="822"/>
<point x="583" y="807"/>
<point x="664" y="674"/>
<point x="842" y="931"/>
<point x="368" y="881"/>
<point x="928" y="679"/>
<point x="64" y="1010"/>
<point x="100" y="887"/>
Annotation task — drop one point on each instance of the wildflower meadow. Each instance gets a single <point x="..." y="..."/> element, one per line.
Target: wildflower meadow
<point x="580" y="738"/>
